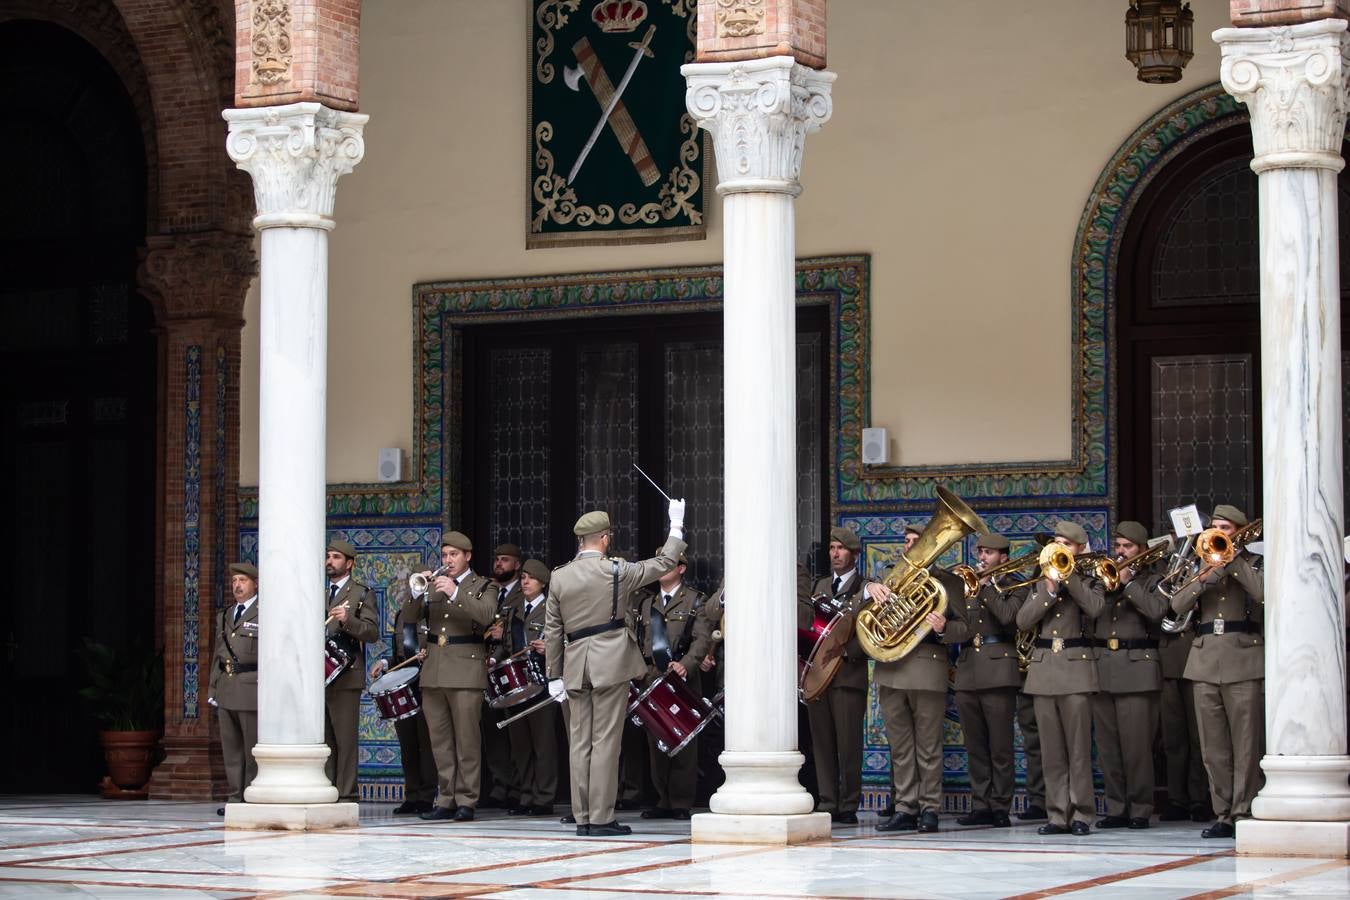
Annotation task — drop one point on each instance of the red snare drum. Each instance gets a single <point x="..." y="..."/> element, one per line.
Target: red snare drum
<point x="336" y="660"/>
<point x="820" y="650"/>
<point x="515" y="680"/>
<point x="395" y="694"/>
<point x="669" y="711"/>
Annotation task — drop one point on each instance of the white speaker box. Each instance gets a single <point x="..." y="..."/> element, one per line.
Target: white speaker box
<point x="391" y="464"/>
<point x="876" y="448"/>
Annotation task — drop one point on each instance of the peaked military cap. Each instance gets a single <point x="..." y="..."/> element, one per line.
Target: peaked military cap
<point x="1134" y="532"/>
<point x="346" y="548"/>
<point x="846" y="537"/>
<point x="457" y="539"/>
<point x="1231" y="513"/>
<point x="1071" y="530"/>
<point x="991" y="541"/>
<point x="536" y="570"/>
<point x="913" y="529"/>
<point x="592" y="522"/>
<point x="244" y="568"/>
<point x="508" y="550"/>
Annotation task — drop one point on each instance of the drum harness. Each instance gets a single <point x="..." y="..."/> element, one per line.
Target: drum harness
<point x="662" y="655"/>
<point x="232" y="666"/>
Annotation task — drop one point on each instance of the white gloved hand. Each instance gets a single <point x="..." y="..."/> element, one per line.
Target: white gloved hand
<point x="212" y="701"/>
<point x="556" y="690"/>
<point x="676" y="513"/>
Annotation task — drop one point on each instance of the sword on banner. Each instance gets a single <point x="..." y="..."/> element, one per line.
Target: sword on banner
<point x="641" y="49"/>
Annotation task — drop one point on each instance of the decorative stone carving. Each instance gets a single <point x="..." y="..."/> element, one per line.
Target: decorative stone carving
<point x="1292" y="79"/>
<point x="296" y="154"/>
<point x="759" y="113"/>
<point x="198" y="274"/>
<point x="740" y="18"/>
<point x="271" y="41"/>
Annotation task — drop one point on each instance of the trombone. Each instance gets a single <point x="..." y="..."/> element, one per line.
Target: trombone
<point x="1213" y="550"/>
<point x="971" y="576"/>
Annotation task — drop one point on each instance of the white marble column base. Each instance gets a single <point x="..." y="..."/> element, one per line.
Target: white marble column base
<point x="1304" y="789"/>
<point x="715" y="828"/>
<point x="761" y="784"/>
<point x="291" y="816"/>
<point x="1260" y="837"/>
<point x="290" y="774"/>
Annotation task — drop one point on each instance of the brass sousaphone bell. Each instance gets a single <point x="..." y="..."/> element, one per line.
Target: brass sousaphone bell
<point x="891" y="627"/>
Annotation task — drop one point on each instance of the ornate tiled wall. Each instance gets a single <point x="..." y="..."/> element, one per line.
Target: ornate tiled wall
<point x="397" y="527"/>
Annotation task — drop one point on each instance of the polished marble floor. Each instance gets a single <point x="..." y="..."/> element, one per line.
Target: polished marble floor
<point x="84" y="847"/>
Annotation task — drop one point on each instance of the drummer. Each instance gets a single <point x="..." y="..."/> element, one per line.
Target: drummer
<point x="534" y="741"/>
<point x="414" y="741"/>
<point x="665" y="614"/>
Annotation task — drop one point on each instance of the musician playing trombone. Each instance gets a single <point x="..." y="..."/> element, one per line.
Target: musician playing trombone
<point x="1062" y="676"/>
<point x="1227" y="666"/>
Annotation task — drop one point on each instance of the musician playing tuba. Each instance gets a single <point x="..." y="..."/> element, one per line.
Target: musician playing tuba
<point x="1227" y="667"/>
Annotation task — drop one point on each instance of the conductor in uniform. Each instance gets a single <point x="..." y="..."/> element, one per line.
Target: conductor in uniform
<point x="234" y="680"/>
<point x="600" y="659"/>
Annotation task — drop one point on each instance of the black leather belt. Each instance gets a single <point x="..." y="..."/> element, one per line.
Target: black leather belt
<point x="980" y="640"/>
<point x="593" y="630"/>
<point x="441" y="640"/>
<point x="230" y="667"/>
<point x="1058" y="644"/>
<point x="1222" y="626"/>
<point x="1130" y="644"/>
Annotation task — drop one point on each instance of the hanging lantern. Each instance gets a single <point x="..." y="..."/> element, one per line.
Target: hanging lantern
<point x="1159" y="39"/>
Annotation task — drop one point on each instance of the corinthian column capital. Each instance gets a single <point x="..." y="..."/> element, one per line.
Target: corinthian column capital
<point x="1293" y="80"/>
<point x="759" y="113"/>
<point x="296" y="154"/>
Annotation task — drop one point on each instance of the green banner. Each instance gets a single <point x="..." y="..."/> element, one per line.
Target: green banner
<point x="614" y="157"/>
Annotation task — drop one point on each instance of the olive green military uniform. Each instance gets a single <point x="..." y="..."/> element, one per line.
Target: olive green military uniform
<point x="1129" y="678"/>
<point x="597" y="664"/>
<point x="1061" y="678"/>
<point x="454" y="676"/>
<point x="534" y="743"/>
<point x="497" y="752"/>
<point x="234" y="688"/>
<point x="1187" y="783"/>
<point x="836" y="718"/>
<point x="987" y="681"/>
<point x="342" y="698"/>
<point x="675" y="778"/>
<point x="414" y="740"/>
<point x="1227" y="667"/>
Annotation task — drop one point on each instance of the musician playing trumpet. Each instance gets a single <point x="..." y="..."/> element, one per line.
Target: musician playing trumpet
<point x="1130" y="677"/>
<point x="1227" y="667"/>
<point x="1062" y="676"/>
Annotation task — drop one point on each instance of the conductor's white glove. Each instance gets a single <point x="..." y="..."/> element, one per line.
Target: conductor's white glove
<point x="556" y="690"/>
<point x="676" y="513"/>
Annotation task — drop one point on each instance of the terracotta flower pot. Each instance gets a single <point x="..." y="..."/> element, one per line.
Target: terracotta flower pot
<point x="130" y="756"/>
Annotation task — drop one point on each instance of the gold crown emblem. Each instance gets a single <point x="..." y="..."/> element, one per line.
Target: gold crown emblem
<point x="618" y="16"/>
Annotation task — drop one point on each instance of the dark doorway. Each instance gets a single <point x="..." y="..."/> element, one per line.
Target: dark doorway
<point x="77" y="397"/>
<point x="561" y="409"/>
<point x="1188" y="334"/>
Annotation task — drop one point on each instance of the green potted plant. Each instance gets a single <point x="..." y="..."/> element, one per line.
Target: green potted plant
<point x="126" y="694"/>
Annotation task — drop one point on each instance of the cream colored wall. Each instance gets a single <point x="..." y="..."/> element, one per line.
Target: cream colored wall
<point x="965" y="139"/>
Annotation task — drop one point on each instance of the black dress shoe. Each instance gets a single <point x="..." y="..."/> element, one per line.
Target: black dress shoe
<point x="899" y="822"/>
<point x="1174" y="812"/>
<point x="438" y="814"/>
<point x="681" y="814"/>
<point x="1052" y="828"/>
<point x="1138" y="823"/>
<point x="1218" y="830"/>
<point x="1113" y="822"/>
<point x="464" y="814"/>
<point x="1032" y="813"/>
<point x="406" y="808"/>
<point x="656" y="812"/>
<point x="847" y="818"/>
<point x="928" y="822"/>
<point x="626" y="804"/>
<point x="569" y="819"/>
<point x="518" y="811"/>
<point x="610" y="829"/>
<point x="541" y="810"/>
<point x="1201" y="812"/>
<point x="582" y="830"/>
<point x="220" y="810"/>
<point x="1001" y="820"/>
<point x="886" y="811"/>
<point x="977" y="817"/>
<point x="1080" y="829"/>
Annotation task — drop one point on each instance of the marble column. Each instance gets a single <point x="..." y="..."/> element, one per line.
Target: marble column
<point x="1293" y="81"/>
<point x="295" y="153"/>
<point x="759" y="113"/>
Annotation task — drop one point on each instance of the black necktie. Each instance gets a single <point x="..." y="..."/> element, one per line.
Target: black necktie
<point x="332" y="592"/>
<point x="665" y="600"/>
<point x="238" y="611"/>
<point x="838" y="580"/>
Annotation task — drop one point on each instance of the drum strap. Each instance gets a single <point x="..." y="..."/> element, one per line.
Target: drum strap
<point x="660" y="639"/>
<point x="687" y="635"/>
<point x="225" y="635"/>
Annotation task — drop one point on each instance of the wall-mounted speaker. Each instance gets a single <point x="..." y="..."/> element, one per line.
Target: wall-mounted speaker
<point x="876" y="448"/>
<point x="391" y="464"/>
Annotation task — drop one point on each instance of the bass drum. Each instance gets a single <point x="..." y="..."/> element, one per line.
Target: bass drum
<point x="820" y="651"/>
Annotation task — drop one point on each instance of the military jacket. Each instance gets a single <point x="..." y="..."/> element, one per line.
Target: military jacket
<point x="581" y="596"/>
<point x="1069" y="666"/>
<point x="926" y="667"/>
<point x="229" y="688"/>
<point x="680" y="617"/>
<point x="362" y="627"/>
<point x="531" y="626"/>
<point x="1174" y="650"/>
<point x="454" y="636"/>
<point x="506" y="603"/>
<point x="1127" y="626"/>
<point x="853" y="672"/>
<point x="971" y="623"/>
<point x="1237" y="597"/>
<point x="409" y="613"/>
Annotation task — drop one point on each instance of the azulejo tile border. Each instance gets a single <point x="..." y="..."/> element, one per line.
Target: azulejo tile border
<point x="192" y="509"/>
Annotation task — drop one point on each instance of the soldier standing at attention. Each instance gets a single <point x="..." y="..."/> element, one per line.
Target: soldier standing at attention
<point x="352" y="623"/>
<point x="234" y="681"/>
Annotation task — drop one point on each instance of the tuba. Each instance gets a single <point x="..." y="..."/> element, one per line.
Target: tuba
<point x="891" y="627"/>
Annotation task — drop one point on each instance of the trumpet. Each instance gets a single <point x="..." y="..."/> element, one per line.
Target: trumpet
<point x="971" y="576"/>
<point x="419" y="582"/>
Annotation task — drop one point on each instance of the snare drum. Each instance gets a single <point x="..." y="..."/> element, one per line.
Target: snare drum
<point x="820" y="650"/>
<point x="395" y="694"/>
<point x="515" y="680"/>
<point x="670" y="712"/>
<point x="336" y="660"/>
